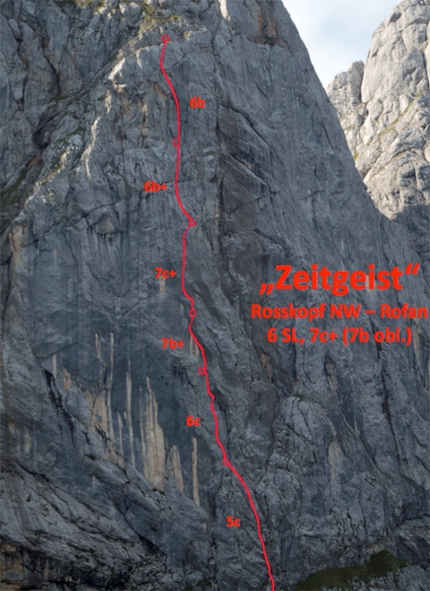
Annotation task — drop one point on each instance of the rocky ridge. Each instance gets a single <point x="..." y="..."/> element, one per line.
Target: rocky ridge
<point x="384" y="109"/>
<point x="103" y="485"/>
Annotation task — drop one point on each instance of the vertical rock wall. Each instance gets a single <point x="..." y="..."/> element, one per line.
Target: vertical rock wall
<point x="105" y="486"/>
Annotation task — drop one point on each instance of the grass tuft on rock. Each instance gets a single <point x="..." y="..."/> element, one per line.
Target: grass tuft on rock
<point x="341" y="578"/>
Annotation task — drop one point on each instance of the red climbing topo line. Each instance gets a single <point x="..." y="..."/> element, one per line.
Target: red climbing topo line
<point x="203" y="370"/>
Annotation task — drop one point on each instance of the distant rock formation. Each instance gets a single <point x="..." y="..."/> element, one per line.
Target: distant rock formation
<point x="384" y="109"/>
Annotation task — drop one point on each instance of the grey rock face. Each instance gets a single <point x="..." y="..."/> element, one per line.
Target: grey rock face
<point x="384" y="108"/>
<point x="104" y="485"/>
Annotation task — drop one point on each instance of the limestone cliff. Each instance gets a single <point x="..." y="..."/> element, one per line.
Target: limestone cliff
<point x="384" y="109"/>
<point x="105" y="487"/>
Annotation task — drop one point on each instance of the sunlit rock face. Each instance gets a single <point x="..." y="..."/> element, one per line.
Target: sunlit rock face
<point x="105" y="485"/>
<point x="384" y="108"/>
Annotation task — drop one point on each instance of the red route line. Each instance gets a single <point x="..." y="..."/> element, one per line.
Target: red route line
<point x="203" y="371"/>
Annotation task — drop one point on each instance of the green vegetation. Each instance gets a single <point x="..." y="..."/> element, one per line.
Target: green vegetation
<point x="11" y="195"/>
<point x="58" y="98"/>
<point x="56" y="165"/>
<point x="151" y="15"/>
<point x="152" y="18"/>
<point x="341" y="578"/>
<point x="202" y="586"/>
<point x="83" y="3"/>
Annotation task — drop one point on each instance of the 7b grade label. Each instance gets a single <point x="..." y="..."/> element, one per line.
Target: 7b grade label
<point x="348" y="335"/>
